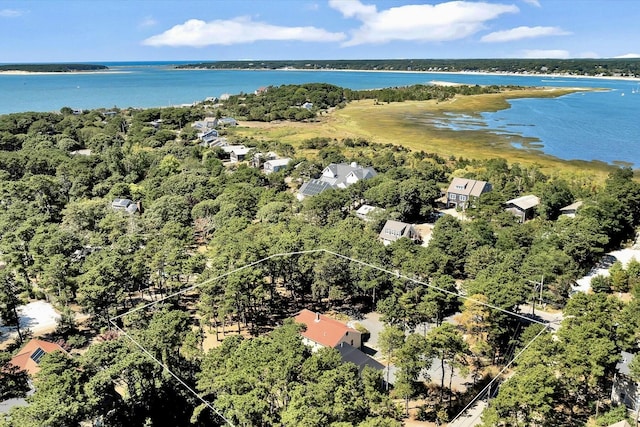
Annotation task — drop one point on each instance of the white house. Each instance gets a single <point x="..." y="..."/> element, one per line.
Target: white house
<point x="275" y="165"/>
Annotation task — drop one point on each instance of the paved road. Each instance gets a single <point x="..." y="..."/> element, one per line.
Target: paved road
<point x="554" y="319"/>
<point x="472" y="417"/>
<point x="373" y="323"/>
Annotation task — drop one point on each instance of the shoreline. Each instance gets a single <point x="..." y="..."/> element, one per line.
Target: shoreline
<point x="337" y="70"/>
<point x="56" y="73"/>
<point x="478" y="73"/>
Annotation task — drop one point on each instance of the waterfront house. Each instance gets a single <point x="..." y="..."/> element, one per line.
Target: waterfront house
<point x="394" y="230"/>
<point x="462" y="192"/>
<point x="523" y="207"/>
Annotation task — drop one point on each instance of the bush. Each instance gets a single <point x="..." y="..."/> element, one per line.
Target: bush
<point x="612" y="416"/>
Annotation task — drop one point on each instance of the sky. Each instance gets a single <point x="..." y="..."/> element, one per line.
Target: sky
<point x="209" y="30"/>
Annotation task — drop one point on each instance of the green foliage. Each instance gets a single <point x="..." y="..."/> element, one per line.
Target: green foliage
<point x="614" y="415"/>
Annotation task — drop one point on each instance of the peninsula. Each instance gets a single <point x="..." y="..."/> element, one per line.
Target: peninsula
<point x="610" y="67"/>
<point x="52" y="68"/>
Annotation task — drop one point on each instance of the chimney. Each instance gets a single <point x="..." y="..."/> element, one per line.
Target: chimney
<point x="317" y="317"/>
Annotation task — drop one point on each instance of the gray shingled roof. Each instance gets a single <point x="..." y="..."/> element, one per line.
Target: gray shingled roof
<point x="468" y="187"/>
<point x="349" y="353"/>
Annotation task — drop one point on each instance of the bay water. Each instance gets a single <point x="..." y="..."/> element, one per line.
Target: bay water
<point x="602" y="126"/>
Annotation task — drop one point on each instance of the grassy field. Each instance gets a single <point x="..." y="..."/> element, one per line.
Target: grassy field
<point x="412" y="125"/>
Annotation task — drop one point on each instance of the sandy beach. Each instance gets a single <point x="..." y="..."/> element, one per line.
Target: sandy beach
<point x="479" y="73"/>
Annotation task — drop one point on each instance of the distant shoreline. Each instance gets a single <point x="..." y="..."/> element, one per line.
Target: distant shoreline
<point x="479" y="73"/>
<point x="56" y="73"/>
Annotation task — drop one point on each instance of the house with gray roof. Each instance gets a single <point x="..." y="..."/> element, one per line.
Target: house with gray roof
<point x="462" y="192"/>
<point x="206" y="123"/>
<point x="394" y="230"/>
<point x="571" y="210"/>
<point x="126" y="205"/>
<point x="239" y="154"/>
<point x="523" y="207"/>
<point x="625" y="389"/>
<point x="351" y="354"/>
<point x="336" y="175"/>
<point x="208" y="136"/>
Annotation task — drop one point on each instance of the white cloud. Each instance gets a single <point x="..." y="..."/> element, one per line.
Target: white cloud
<point x="519" y="33"/>
<point x="593" y="55"/>
<point x="628" y="55"/>
<point x="148" y="21"/>
<point x="546" y="54"/>
<point x="349" y="9"/>
<point x="441" y="22"/>
<point x="10" y="13"/>
<point x="535" y="3"/>
<point x="197" y="33"/>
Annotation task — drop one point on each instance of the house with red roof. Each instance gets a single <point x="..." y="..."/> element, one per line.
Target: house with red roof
<point x="28" y="359"/>
<point x="323" y="331"/>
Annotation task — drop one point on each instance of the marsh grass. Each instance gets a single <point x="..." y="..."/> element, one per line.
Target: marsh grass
<point x="414" y="125"/>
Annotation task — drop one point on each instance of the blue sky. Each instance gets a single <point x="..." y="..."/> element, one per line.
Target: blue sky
<point x="155" y="30"/>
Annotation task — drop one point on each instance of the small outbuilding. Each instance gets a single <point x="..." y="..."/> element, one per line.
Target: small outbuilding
<point x="275" y="165"/>
<point x="523" y="207"/>
<point x="571" y="210"/>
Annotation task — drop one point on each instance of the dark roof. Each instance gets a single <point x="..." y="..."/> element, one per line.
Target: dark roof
<point x="313" y="187"/>
<point x="349" y="353"/>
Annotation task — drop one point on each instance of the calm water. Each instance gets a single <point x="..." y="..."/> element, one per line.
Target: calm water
<point x="602" y="126"/>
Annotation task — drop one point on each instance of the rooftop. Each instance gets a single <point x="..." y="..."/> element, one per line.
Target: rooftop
<point x="28" y="359"/>
<point x="525" y="202"/>
<point x="322" y="329"/>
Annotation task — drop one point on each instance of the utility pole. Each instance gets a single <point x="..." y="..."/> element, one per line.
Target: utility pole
<point x="535" y="288"/>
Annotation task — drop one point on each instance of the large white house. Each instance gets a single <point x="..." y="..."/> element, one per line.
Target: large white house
<point x="336" y="175"/>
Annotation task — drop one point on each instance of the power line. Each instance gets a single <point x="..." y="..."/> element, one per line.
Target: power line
<point x="166" y="368"/>
<point x="311" y="251"/>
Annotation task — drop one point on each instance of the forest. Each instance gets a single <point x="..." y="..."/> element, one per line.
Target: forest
<point x="202" y="216"/>
<point x="579" y="66"/>
<point x="286" y="102"/>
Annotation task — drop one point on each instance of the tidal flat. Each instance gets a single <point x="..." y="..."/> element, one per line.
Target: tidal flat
<point x="418" y="126"/>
